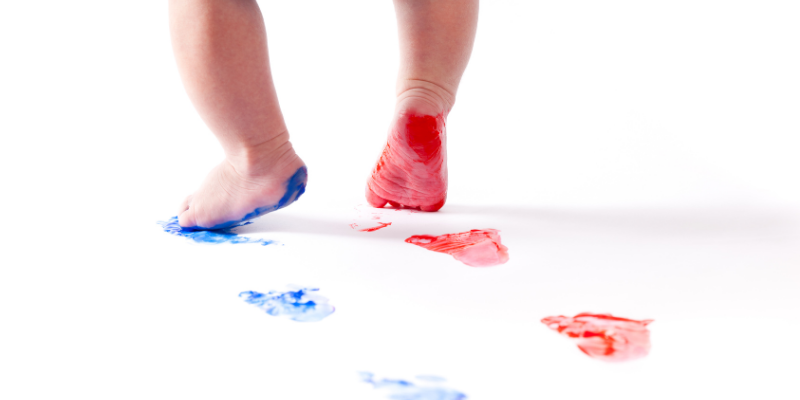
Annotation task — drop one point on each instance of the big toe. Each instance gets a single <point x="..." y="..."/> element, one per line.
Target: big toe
<point x="185" y="204"/>
<point x="433" y="207"/>
<point x="187" y="219"/>
<point x="374" y="200"/>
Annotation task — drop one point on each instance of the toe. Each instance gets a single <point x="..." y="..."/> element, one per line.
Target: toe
<point x="187" y="219"/>
<point x="185" y="204"/>
<point x="433" y="207"/>
<point x="374" y="200"/>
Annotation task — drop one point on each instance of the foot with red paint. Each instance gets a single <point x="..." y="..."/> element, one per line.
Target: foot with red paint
<point x="412" y="170"/>
<point x="237" y="190"/>
<point x="435" y="40"/>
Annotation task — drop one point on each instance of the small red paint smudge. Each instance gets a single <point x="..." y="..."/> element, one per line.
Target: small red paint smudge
<point x="353" y="225"/>
<point x="476" y="248"/>
<point x="604" y="336"/>
<point x="381" y="225"/>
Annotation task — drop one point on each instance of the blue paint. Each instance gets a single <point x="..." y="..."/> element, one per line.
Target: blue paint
<point x="299" y="305"/>
<point x="215" y="237"/>
<point x="430" y="378"/>
<point x="405" y="390"/>
<point x="295" y="187"/>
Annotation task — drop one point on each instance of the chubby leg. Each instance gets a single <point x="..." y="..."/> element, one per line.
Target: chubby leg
<point x="436" y="38"/>
<point x="221" y="50"/>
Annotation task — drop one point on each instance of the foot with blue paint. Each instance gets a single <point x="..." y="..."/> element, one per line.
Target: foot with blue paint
<point x="235" y="192"/>
<point x="221" y="53"/>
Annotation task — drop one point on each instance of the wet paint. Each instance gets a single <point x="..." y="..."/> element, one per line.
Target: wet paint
<point x="226" y="235"/>
<point x="295" y="187"/>
<point x="405" y="390"/>
<point x="412" y="170"/>
<point x="300" y="305"/>
<point x="476" y="248"/>
<point x="381" y="225"/>
<point x="430" y="378"/>
<point x="604" y="336"/>
<point x="366" y="217"/>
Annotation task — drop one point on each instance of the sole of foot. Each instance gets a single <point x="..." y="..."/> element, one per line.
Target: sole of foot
<point x="412" y="170"/>
<point x="230" y="196"/>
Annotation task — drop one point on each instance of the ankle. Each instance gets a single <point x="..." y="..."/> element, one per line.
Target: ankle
<point x="274" y="154"/>
<point x="423" y="97"/>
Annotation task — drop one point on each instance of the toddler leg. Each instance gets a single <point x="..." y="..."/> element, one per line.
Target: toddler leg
<point x="436" y="38"/>
<point x="221" y="50"/>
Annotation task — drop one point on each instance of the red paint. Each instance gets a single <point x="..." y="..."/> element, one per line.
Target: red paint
<point x="604" y="336"/>
<point x="412" y="170"/>
<point x="476" y="248"/>
<point x="381" y="225"/>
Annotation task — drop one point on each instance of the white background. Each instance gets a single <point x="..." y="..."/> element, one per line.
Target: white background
<point x="639" y="159"/>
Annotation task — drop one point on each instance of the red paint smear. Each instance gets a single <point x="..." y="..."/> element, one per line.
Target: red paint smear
<point x="476" y="248"/>
<point x="381" y="225"/>
<point x="412" y="170"/>
<point x="604" y="336"/>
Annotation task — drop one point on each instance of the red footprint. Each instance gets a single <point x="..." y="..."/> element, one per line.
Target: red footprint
<point x="604" y="336"/>
<point x="476" y="248"/>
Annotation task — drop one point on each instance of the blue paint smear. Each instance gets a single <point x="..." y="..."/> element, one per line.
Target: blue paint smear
<point x="430" y="378"/>
<point x="295" y="187"/>
<point x="299" y="305"/>
<point x="214" y="237"/>
<point x="405" y="390"/>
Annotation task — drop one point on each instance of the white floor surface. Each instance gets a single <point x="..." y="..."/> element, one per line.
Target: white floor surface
<point x="638" y="160"/>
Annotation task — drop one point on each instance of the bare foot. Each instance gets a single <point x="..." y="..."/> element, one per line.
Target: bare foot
<point x="236" y="191"/>
<point x="412" y="170"/>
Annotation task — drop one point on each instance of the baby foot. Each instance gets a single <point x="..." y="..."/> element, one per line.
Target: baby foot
<point x="412" y="170"/>
<point x="232" y="194"/>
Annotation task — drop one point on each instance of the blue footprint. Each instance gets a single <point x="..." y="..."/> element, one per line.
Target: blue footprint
<point x="214" y="237"/>
<point x="404" y="390"/>
<point x="299" y="305"/>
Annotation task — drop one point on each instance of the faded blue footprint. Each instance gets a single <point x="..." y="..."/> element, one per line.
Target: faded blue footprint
<point x="214" y="237"/>
<point x="404" y="390"/>
<point x="299" y="305"/>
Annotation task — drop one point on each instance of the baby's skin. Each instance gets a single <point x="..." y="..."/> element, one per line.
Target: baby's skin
<point x="221" y="51"/>
<point x="225" y="193"/>
<point x="411" y="173"/>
